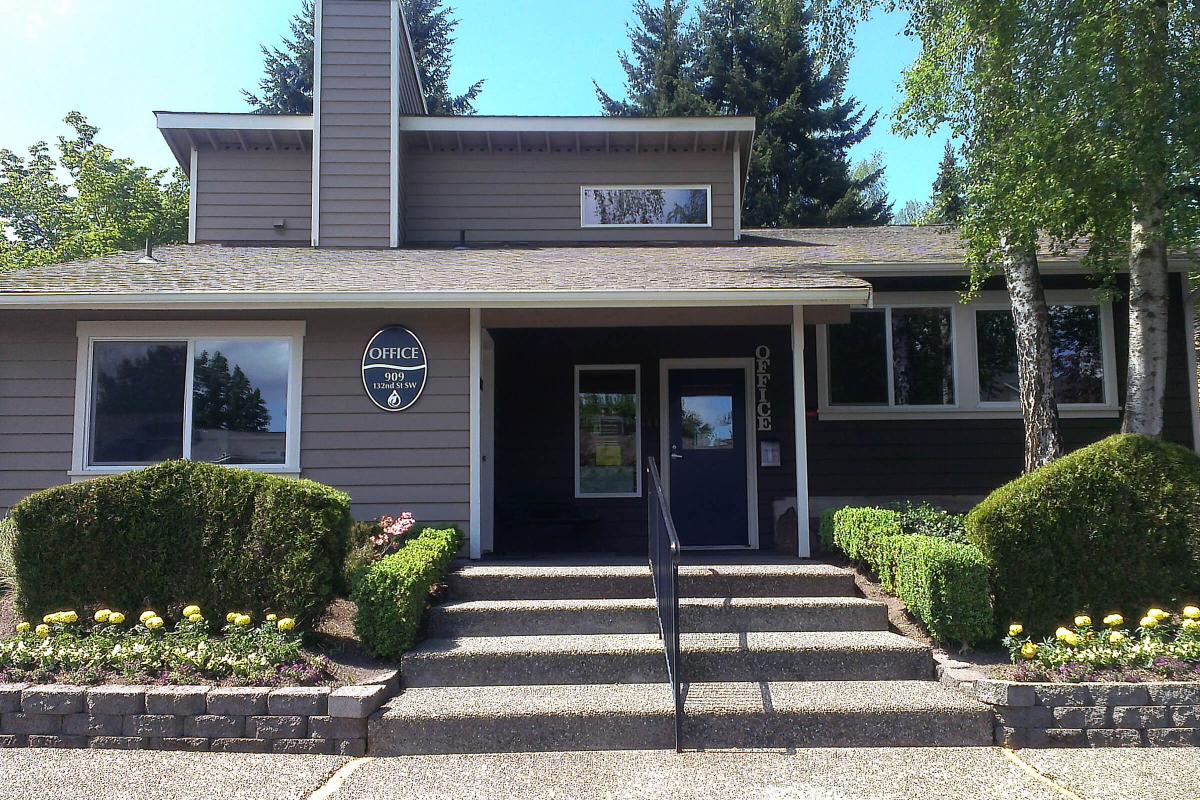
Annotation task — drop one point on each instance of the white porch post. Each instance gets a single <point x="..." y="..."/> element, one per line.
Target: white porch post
<point x="476" y="406"/>
<point x="802" y="533"/>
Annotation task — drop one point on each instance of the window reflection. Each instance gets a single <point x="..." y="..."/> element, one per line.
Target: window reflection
<point x="652" y="206"/>
<point x="707" y="422"/>
<point x="239" y="401"/>
<point x="608" y="425"/>
<point x="922" y="356"/>
<point x="137" y="402"/>
<point x="1075" y="344"/>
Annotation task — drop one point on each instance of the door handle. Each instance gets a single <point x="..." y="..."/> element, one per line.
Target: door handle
<point x="676" y="455"/>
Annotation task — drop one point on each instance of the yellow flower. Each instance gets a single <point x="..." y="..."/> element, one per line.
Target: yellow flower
<point x="241" y="620"/>
<point x="1189" y="624"/>
<point x="145" y="615"/>
<point x="42" y="630"/>
<point x="1016" y="629"/>
<point x="1158" y="614"/>
<point x="116" y="618"/>
<point x="23" y="627"/>
<point x="102" y="615"/>
<point x="1149" y="622"/>
<point x="1072" y="639"/>
<point x="46" y="620"/>
<point x="70" y="617"/>
<point x="1116" y="637"/>
<point x="1083" y="621"/>
<point x="231" y="616"/>
<point x="153" y="623"/>
<point x="1113" y="620"/>
<point x="190" y="610"/>
<point x="1029" y="650"/>
<point x="195" y="617"/>
<point x="1191" y="612"/>
<point x="286" y="624"/>
<point x="272" y="617"/>
<point x="1062" y="633"/>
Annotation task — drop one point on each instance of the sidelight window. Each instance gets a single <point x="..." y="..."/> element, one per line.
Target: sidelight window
<point x="608" y="448"/>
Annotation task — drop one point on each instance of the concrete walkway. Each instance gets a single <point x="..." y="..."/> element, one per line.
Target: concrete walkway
<point x="830" y="774"/>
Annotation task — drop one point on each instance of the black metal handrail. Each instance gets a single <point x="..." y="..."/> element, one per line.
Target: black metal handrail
<point x="664" y="570"/>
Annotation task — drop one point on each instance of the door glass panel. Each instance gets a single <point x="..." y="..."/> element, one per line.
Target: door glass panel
<point x="707" y="422"/>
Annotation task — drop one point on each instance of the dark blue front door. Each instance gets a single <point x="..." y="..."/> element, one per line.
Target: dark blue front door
<point x="707" y="451"/>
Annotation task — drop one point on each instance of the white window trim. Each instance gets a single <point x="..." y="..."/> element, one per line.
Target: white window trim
<point x="637" y="404"/>
<point x="707" y="187"/>
<point x="185" y="331"/>
<point x="966" y="362"/>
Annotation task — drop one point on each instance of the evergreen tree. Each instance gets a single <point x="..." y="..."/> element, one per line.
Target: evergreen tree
<point x="948" y="201"/>
<point x="225" y="399"/>
<point x="758" y="59"/>
<point x="431" y="27"/>
<point x="287" y="85"/>
<point x="660" y="71"/>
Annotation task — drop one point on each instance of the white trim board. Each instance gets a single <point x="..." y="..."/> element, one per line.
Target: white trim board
<point x="193" y="194"/>
<point x="800" y="435"/>
<point x="318" y="44"/>
<point x="747" y="365"/>
<point x="475" y="380"/>
<point x="186" y="331"/>
<point x="394" y="121"/>
<point x="579" y="124"/>
<point x="186" y="120"/>
<point x="636" y="369"/>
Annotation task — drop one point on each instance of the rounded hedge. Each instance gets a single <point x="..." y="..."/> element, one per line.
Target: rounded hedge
<point x="182" y="532"/>
<point x="1111" y="527"/>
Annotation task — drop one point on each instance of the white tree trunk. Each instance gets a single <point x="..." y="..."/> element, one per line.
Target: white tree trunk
<point x="1035" y="365"/>
<point x="1146" y="381"/>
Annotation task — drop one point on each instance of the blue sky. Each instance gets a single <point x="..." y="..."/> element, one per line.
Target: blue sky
<point x="118" y="60"/>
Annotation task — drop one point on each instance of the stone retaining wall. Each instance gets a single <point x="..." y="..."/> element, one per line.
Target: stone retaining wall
<point x="1160" y="714"/>
<point x="231" y="719"/>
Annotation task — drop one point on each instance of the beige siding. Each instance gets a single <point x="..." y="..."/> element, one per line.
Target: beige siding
<point x="240" y="196"/>
<point x="535" y="196"/>
<point x="355" y="120"/>
<point x="416" y="460"/>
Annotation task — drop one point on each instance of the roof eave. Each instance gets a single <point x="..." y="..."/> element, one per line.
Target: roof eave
<point x="633" y="298"/>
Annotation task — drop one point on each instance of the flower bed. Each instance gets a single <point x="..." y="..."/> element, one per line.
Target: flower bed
<point x="112" y="649"/>
<point x="1163" y="646"/>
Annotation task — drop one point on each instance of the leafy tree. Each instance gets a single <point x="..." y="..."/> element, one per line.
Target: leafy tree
<point x="914" y="212"/>
<point x="106" y="204"/>
<point x="287" y="85"/>
<point x="661" y="78"/>
<point x="758" y="59"/>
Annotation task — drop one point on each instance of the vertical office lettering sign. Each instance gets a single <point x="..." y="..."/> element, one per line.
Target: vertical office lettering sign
<point x="394" y="368"/>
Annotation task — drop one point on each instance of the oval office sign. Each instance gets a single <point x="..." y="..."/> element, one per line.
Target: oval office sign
<point x="394" y="368"/>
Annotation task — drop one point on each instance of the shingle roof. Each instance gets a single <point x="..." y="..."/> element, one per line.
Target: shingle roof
<point x="798" y="260"/>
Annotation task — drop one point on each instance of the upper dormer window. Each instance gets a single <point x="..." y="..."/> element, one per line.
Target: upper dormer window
<point x="646" y="206"/>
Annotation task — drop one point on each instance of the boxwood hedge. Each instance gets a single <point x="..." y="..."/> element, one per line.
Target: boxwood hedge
<point x="182" y="532"/>
<point x="1111" y="527"/>
<point x="943" y="583"/>
<point x="391" y="593"/>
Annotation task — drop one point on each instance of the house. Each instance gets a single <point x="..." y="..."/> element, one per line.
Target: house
<point x="497" y="321"/>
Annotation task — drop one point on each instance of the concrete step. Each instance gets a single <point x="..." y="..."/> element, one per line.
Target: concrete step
<point x="832" y="714"/>
<point x="638" y="615"/>
<point x="536" y="582"/>
<point x="509" y="719"/>
<point x="641" y="716"/>
<point x="638" y="658"/>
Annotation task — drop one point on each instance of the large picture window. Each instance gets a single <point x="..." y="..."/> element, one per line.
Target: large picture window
<point x="1076" y="346"/>
<point x="927" y="354"/>
<point x="645" y="206"/>
<point x="608" y="447"/>
<point x="901" y="356"/>
<point x="228" y="394"/>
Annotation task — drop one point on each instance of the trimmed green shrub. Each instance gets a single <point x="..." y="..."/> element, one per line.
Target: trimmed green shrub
<point x="1112" y="527"/>
<point x="926" y="519"/>
<point x="943" y="583"/>
<point x="391" y="594"/>
<point x="359" y="555"/>
<point x="182" y="532"/>
<point x="8" y="566"/>
<point x="825" y="530"/>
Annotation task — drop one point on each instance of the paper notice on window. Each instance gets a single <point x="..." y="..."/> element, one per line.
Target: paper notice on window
<point x="608" y="455"/>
